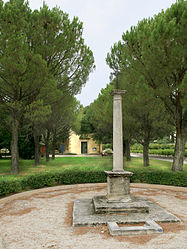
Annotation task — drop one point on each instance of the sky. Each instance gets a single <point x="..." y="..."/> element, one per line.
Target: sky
<point x="104" y="22"/>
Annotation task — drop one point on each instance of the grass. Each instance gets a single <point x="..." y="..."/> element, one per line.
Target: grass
<point x="60" y="164"/>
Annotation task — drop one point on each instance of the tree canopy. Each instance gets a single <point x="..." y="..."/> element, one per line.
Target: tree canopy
<point x="40" y="52"/>
<point x="154" y="53"/>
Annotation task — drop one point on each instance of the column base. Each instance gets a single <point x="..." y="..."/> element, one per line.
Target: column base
<point x="103" y="206"/>
<point x="118" y="186"/>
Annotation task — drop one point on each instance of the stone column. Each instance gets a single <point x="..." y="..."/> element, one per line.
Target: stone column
<point x="117" y="130"/>
<point x="118" y="180"/>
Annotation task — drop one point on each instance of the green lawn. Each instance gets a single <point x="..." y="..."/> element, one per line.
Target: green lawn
<point x="79" y="163"/>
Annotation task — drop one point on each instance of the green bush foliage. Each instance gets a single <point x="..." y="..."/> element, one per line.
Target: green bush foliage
<point x="74" y="177"/>
<point x="163" y="178"/>
<point x="107" y="146"/>
<point x="154" y="146"/>
<point x="136" y="147"/>
<point x="161" y="146"/>
<point x="166" y="152"/>
<point x="11" y="186"/>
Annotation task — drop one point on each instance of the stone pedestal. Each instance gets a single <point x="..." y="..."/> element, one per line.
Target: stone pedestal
<point x="118" y="198"/>
<point x="118" y="186"/>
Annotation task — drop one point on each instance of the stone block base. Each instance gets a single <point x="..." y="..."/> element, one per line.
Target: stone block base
<point x="84" y="215"/>
<point x="135" y="205"/>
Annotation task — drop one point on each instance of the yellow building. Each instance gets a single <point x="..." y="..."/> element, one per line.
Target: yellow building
<point x="82" y="145"/>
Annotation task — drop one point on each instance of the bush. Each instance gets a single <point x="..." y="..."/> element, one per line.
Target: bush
<point x="166" y="152"/>
<point x="74" y="177"/>
<point x="41" y="180"/>
<point x="162" y="146"/>
<point x="164" y="178"/>
<point x="164" y="140"/>
<point x="107" y="146"/>
<point x="137" y="147"/>
<point x="153" y="146"/>
<point x="10" y="186"/>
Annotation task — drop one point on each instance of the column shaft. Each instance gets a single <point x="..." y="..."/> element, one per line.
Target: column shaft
<point x="117" y="133"/>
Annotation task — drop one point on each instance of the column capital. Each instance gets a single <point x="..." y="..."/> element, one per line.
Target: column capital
<point x="117" y="92"/>
<point x="119" y="173"/>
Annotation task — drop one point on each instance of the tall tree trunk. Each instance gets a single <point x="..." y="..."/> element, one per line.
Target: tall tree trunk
<point x="47" y="146"/>
<point x="179" y="152"/>
<point x="14" y="147"/>
<point x="146" y="153"/>
<point x="127" y="150"/>
<point x="36" y="147"/>
<point x="181" y="137"/>
<point x="53" y="145"/>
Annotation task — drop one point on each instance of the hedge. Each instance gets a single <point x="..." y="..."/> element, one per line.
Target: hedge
<point x="41" y="180"/>
<point x="10" y="186"/>
<point x="161" y="146"/>
<point x="166" y="152"/>
<point x="160" y="177"/>
<point x="155" y="146"/>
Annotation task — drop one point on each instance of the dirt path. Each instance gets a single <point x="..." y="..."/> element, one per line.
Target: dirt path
<point x="41" y="219"/>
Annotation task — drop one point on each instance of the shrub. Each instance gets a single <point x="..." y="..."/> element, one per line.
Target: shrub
<point x="137" y="147"/>
<point x="166" y="152"/>
<point x="155" y="146"/>
<point x="41" y="180"/>
<point x="164" y="178"/>
<point x="164" y="140"/>
<point x="161" y="146"/>
<point x="10" y="186"/>
<point x="74" y="177"/>
<point x="107" y="146"/>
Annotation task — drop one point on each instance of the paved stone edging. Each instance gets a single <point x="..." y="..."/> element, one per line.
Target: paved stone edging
<point x="150" y="227"/>
<point x="87" y="185"/>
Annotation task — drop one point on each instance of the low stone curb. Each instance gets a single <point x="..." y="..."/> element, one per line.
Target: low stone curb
<point x="150" y="227"/>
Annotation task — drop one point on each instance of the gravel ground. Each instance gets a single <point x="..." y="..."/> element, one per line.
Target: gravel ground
<point x="42" y="219"/>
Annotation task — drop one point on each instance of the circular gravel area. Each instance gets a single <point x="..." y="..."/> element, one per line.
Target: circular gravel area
<point x="42" y="219"/>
